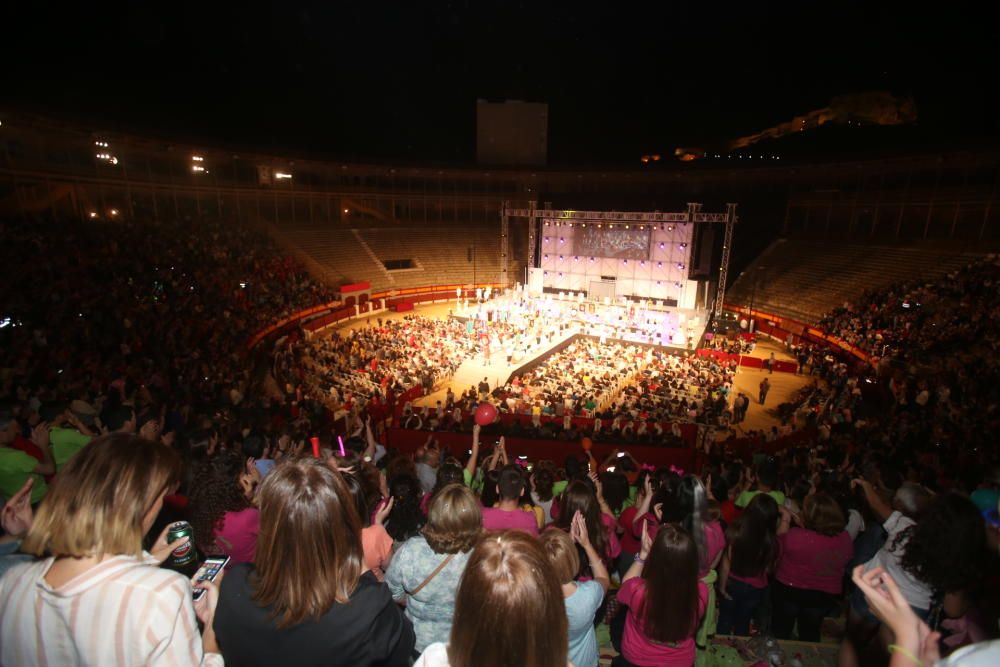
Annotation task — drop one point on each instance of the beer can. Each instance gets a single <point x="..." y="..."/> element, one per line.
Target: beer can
<point x="185" y="553"/>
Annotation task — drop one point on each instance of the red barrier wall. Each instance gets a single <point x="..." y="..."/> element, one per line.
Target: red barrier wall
<point x="780" y="327"/>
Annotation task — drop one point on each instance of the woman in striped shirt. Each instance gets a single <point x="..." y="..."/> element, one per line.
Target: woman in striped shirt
<point x="98" y="598"/>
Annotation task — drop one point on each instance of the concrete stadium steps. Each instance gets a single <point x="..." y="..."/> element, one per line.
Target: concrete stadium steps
<point x="803" y="280"/>
<point x="440" y="253"/>
<point x="338" y="255"/>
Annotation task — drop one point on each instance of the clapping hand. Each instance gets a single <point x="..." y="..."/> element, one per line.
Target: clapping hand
<point x="888" y="604"/>
<point x="382" y="513"/>
<point x="578" y="530"/>
<point x="646" y="543"/>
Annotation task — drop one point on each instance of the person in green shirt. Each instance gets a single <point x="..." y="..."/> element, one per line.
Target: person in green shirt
<point x="16" y="466"/>
<point x="767" y="480"/>
<point x="69" y="432"/>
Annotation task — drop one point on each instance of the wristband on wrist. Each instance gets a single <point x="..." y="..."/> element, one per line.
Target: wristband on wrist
<point x="895" y="648"/>
<point x="639" y="559"/>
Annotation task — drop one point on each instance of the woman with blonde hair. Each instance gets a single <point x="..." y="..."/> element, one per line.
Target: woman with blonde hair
<point x="425" y="572"/>
<point x="98" y="598"/>
<point x="509" y="609"/>
<point x="307" y="599"/>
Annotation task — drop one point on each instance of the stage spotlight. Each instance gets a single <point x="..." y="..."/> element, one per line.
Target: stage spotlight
<point x="92" y="214"/>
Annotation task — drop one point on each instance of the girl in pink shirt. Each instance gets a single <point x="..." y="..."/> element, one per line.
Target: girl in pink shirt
<point x="753" y="548"/>
<point x="601" y="523"/>
<point x="665" y="602"/>
<point x="811" y="566"/>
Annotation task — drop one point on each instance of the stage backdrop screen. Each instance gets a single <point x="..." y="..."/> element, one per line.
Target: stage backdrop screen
<point x="617" y="243"/>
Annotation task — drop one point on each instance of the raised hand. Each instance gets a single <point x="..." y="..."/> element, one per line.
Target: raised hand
<point x="383" y="512"/>
<point x="17" y="515"/>
<point x="40" y="435"/>
<point x="647" y="542"/>
<point x="578" y="530"/>
<point x="888" y="604"/>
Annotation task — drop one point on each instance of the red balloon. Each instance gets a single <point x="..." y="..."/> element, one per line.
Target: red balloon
<point x="586" y="444"/>
<point x="485" y="414"/>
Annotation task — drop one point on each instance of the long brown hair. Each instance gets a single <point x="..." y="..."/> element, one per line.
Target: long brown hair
<point x="309" y="548"/>
<point x="99" y="500"/>
<point x="509" y="609"/>
<point x="579" y="496"/>
<point x="670" y="609"/>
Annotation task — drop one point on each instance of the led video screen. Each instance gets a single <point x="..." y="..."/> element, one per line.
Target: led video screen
<point x="617" y="242"/>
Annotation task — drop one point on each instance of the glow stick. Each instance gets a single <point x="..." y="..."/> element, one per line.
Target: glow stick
<point x="315" y="443"/>
<point x="341" y="442"/>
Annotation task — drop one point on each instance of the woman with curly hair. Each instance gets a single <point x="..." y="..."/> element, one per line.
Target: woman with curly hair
<point x="426" y="570"/>
<point x="406" y="519"/>
<point x="224" y="519"/>
<point x="935" y="562"/>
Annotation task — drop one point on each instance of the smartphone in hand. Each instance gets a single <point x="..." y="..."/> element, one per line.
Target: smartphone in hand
<point x="208" y="571"/>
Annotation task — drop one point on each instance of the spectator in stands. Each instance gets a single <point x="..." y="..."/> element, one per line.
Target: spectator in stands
<point x="426" y="570"/>
<point x="376" y="543"/>
<point x="748" y="560"/>
<point x="95" y="577"/>
<point x="16" y="466"/>
<point x="935" y="562"/>
<point x="509" y="609"/>
<point x="70" y="431"/>
<point x="584" y="598"/>
<point x="223" y="515"/>
<point x="119" y="419"/>
<point x="542" y="487"/>
<point x="767" y="481"/>
<point x="665" y="600"/>
<point x="602" y="527"/>
<point x="16" y="518"/>
<point x="325" y="610"/>
<point x="406" y="519"/>
<point x="507" y="513"/>
<point x="810" y="572"/>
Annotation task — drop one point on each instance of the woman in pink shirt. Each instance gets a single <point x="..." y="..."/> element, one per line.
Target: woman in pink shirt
<point x="811" y="567"/>
<point x="665" y="599"/>
<point x="753" y="549"/>
<point x="224" y="519"/>
<point x="601" y="523"/>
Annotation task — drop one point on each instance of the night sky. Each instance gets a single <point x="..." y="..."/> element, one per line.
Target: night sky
<point x="399" y="80"/>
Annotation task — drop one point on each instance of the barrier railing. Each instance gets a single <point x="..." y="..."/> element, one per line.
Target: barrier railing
<point x="781" y="327"/>
<point x="338" y="311"/>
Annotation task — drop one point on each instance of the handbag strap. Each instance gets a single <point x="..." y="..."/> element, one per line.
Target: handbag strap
<point x="432" y="575"/>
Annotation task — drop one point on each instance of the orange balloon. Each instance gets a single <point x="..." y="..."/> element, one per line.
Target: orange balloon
<point x="586" y="444"/>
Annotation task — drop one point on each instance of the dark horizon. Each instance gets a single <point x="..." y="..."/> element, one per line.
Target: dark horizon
<point x="401" y="82"/>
